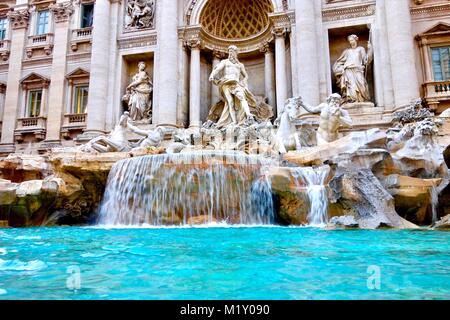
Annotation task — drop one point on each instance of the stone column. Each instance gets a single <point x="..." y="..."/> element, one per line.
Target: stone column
<point x="194" y="84"/>
<point x="380" y="40"/>
<point x="426" y="60"/>
<point x="183" y="82"/>
<point x="99" y="76"/>
<point x="114" y="105"/>
<point x="165" y="110"/>
<point x="62" y="12"/>
<point x="280" y="66"/>
<point x="215" y="94"/>
<point x="401" y="48"/>
<point x="307" y="51"/>
<point x="269" y="76"/>
<point x="19" y="23"/>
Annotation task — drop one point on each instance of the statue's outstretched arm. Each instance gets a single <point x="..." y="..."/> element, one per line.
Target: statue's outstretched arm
<point x="137" y="130"/>
<point x="311" y="109"/>
<point x="345" y="119"/>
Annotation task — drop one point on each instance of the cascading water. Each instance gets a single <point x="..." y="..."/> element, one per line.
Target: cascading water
<point x="314" y="179"/>
<point x="434" y="204"/>
<point x="178" y="189"/>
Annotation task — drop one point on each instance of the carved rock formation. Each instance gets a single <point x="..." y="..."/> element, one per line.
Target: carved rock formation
<point x="360" y="194"/>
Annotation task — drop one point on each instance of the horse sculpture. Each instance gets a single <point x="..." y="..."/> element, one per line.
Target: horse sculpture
<point x="287" y="138"/>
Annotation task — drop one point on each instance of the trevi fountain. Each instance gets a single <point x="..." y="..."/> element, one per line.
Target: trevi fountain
<point x="289" y="201"/>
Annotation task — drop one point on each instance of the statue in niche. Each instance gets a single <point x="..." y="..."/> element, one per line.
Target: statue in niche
<point x="138" y="96"/>
<point x="350" y="71"/>
<point x="238" y="105"/>
<point x="332" y="116"/>
<point x="140" y="14"/>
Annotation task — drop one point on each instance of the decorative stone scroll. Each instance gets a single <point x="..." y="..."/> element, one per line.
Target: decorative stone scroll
<point x="140" y="14"/>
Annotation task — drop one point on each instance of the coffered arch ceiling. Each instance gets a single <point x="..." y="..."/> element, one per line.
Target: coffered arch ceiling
<point x="236" y="19"/>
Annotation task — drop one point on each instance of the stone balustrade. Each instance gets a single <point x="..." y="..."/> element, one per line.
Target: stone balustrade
<point x="31" y="125"/>
<point x="83" y="35"/>
<point x="73" y="122"/>
<point x="43" y="42"/>
<point x="437" y="89"/>
<point x="436" y="92"/>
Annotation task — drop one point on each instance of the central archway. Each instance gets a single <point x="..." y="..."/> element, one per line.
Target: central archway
<point x="245" y="23"/>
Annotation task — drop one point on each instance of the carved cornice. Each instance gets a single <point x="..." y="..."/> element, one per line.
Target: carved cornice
<point x="191" y="36"/>
<point x="19" y="18"/>
<point x="430" y="11"/>
<point x="345" y="13"/>
<point x="281" y="19"/>
<point x="61" y="11"/>
<point x="136" y="42"/>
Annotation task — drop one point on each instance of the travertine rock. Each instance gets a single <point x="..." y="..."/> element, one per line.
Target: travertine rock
<point x="20" y="167"/>
<point x="330" y="153"/>
<point x="413" y="197"/>
<point x="359" y="192"/>
<point x="444" y="223"/>
<point x="343" y="222"/>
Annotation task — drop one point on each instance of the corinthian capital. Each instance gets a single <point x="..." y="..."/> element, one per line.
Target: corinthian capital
<point x="62" y="11"/>
<point x="194" y="43"/>
<point x="19" y="18"/>
<point x="279" y="31"/>
<point x="265" y="47"/>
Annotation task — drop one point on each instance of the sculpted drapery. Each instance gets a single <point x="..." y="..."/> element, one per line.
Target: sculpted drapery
<point x="138" y="97"/>
<point x="350" y="72"/>
<point x="238" y="104"/>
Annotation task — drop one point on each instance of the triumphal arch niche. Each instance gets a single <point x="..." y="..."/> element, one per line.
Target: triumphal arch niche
<point x="262" y="38"/>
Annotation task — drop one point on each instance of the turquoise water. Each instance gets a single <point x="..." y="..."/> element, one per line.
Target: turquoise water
<point x="223" y="263"/>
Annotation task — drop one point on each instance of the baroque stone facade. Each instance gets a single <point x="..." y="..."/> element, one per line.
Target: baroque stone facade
<point x="66" y="64"/>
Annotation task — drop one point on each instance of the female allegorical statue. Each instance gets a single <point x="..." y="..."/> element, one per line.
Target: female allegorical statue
<point x="350" y="73"/>
<point x="138" y="96"/>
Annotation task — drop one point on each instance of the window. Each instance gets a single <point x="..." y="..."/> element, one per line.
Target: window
<point x="80" y="99"/>
<point x="441" y="63"/>
<point x="34" y="103"/>
<point x="42" y="22"/>
<point x="3" y="24"/>
<point x="87" y="15"/>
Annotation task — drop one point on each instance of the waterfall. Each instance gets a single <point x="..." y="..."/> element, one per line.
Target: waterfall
<point x="177" y="189"/>
<point x="434" y="203"/>
<point x="314" y="179"/>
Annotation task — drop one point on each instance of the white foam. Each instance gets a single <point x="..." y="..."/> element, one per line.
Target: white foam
<point x="27" y="238"/>
<point x="17" y="265"/>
